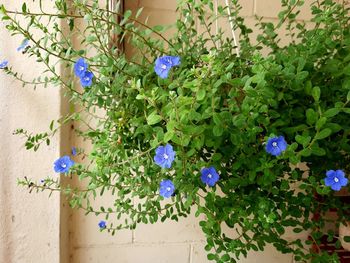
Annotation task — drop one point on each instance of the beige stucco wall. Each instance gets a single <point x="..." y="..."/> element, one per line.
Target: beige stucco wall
<point x="30" y="223"/>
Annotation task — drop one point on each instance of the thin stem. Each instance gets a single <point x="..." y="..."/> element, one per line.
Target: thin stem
<point x="232" y="28"/>
<point x="138" y="22"/>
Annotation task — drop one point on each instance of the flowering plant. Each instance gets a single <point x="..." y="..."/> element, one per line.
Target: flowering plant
<point x="216" y="129"/>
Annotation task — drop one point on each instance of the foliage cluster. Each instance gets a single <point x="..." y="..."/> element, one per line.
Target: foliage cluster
<point x="218" y="108"/>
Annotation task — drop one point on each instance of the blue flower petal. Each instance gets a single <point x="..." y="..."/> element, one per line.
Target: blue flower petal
<point x="160" y="150"/>
<point x="335" y="179"/>
<point x="330" y="173"/>
<point x="63" y="164"/>
<point x="80" y="67"/>
<point x="166" y="188"/>
<point x="276" y="145"/>
<point x="329" y="181"/>
<point x="343" y="181"/>
<point x="165" y="155"/>
<point x="209" y="176"/>
<point x="282" y="144"/>
<point x="164" y="64"/>
<point x="74" y="151"/>
<point x="86" y="79"/>
<point x="336" y="187"/>
<point x="175" y="61"/>
<point x="3" y="64"/>
<point x="339" y="173"/>
<point x="102" y="224"/>
<point x="24" y="44"/>
<point x="158" y="159"/>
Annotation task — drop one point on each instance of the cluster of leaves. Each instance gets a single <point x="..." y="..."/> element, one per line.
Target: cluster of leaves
<point x="217" y="109"/>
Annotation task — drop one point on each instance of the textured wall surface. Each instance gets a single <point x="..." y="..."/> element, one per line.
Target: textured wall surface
<point x="29" y="223"/>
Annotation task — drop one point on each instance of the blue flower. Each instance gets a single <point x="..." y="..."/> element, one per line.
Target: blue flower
<point x="102" y="224"/>
<point x="164" y="64"/>
<point x="276" y="145"/>
<point x="209" y="176"/>
<point x="166" y="188"/>
<point x="335" y="179"/>
<point x="86" y="79"/>
<point x="63" y="164"/>
<point x="24" y="45"/>
<point x="165" y="155"/>
<point x="80" y="67"/>
<point x="3" y="64"/>
<point x="74" y="151"/>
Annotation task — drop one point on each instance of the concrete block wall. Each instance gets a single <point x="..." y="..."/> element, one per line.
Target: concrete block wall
<point x="29" y="223"/>
<point x="169" y="242"/>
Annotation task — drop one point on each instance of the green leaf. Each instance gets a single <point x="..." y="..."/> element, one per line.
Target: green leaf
<point x="127" y="14"/>
<point x="158" y="28"/>
<point x="316" y="150"/>
<point x="217" y="119"/>
<point x="216" y="157"/>
<point x="316" y="93"/>
<point x="322" y="121"/>
<point x="331" y="112"/>
<point x="348" y="96"/>
<point x="138" y="13"/>
<point x="303" y="140"/>
<point x="302" y="75"/>
<point x="347" y="239"/>
<point x="306" y="152"/>
<point x="225" y="257"/>
<point x="323" y="134"/>
<point x="311" y="116"/>
<point x="24" y="8"/>
<point x="201" y="94"/>
<point x="296" y="128"/>
<point x="87" y="17"/>
<point x="252" y="176"/>
<point x="297" y="230"/>
<point x="168" y="136"/>
<point x="211" y="256"/>
<point x="153" y="118"/>
<point x="346" y="70"/>
<point x="195" y="116"/>
<point x="218" y="130"/>
<point x="334" y="127"/>
<point x="51" y="125"/>
<point x="2" y="9"/>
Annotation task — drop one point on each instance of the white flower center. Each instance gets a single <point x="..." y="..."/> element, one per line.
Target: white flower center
<point x="163" y="66"/>
<point x="336" y="179"/>
<point x="165" y="156"/>
<point x="210" y="176"/>
<point x="168" y="189"/>
<point x="81" y="68"/>
<point x="274" y="144"/>
<point x="64" y="165"/>
<point x="86" y="78"/>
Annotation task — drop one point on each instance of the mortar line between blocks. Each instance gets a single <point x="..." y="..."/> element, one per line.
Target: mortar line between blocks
<point x="133" y="230"/>
<point x="191" y="254"/>
<point x="254" y="8"/>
